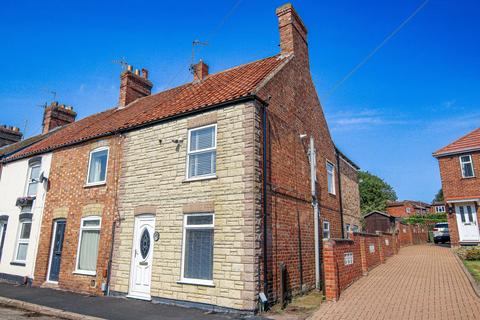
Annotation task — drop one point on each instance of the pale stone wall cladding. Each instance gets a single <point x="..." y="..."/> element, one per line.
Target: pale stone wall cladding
<point x="350" y="194"/>
<point x="153" y="175"/>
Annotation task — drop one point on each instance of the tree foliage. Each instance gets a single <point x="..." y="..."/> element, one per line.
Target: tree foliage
<point x="374" y="192"/>
<point x="427" y="219"/>
<point x="439" y="196"/>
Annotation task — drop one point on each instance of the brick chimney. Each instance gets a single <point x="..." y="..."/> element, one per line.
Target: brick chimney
<point x="57" y="115"/>
<point x="9" y="135"/>
<point x="133" y="86"/>
<point x="293" y="33"/>
<point x="200" y="71"/>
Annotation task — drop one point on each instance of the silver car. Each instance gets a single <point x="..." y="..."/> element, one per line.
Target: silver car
<point x="441" y="233"/>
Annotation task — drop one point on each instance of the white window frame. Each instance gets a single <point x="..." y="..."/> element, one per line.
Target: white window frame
<point x="29" y="178"/>
<point x="22" y="241"/>
<point x="440" y="209"/>
<point x="326" y="223"/>
<point x="90" y="163"/>
<point x="196" y="226"/>
<point x="462" y="163"/>
<point x="408" y="210"/>
<point x="333" y="191"/>
<point x="82" y="228"/>
<point x="214" y="148"/>
<point x="347" y="230"/>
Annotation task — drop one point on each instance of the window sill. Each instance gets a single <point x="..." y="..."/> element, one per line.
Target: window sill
<point x="19" y="264"/>
<point x="204" y="283"/>
<point x="466" y="178"/>
<point x="200" y="179"/>
<point x="97" y="184"/>
<point x="85" y="273"/>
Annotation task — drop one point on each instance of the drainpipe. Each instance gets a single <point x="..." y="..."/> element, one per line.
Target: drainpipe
<point x="312" y="156"/>
<point x="340" y="193"/>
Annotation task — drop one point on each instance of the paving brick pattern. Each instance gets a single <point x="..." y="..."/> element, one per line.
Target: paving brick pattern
<point x="421" y="282"/>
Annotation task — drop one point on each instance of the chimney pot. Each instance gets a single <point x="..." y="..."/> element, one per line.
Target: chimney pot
<point x="137" y="72"/>
<point x="129" y="68"/>
<point x="9" y="135"/>
<point x="145" y="73"/>
<point x="133" y="86"/>
<point x="56" y="115"/>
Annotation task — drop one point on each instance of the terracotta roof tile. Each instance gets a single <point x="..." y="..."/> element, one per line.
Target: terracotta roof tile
<point x="470" y="141"/>
<point x="224" y="86"/>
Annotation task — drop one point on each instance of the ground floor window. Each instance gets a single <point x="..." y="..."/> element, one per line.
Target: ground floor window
<point x="88" y="245"/>
<point x="3" y="231"/>
<point x="198" y="248"/>
<point x="22" y="240"/>
<point x="326" y="229"/>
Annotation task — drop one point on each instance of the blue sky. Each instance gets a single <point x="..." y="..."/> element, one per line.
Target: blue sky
<point x="417" y="93"/>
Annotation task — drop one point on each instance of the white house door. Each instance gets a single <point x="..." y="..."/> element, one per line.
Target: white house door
<point x="142" y="253"/>
<point x="467" y="223"/>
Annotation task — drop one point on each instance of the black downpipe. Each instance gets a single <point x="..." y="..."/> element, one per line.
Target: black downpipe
<point x="265" y="247"/>
<point x="340" y="193"/>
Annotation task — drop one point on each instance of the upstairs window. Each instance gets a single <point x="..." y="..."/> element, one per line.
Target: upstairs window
<point x="97" y="166"/>
<point x="331" y="178"/>
<point x="202" y="152"/>
<point x="33" y="179"/>
<point x="347" y="230"/>
<point x="466" y="164"/>
<point x="440" y="209"/>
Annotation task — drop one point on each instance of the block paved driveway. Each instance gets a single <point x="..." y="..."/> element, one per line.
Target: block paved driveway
<point x="421" y="282"/>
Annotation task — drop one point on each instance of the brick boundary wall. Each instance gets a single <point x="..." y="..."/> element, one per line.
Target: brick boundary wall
<point x="368" y="251"/>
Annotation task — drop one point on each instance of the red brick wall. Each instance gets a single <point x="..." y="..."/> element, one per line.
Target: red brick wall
<point x="401" y="210"/>
<point x="388" y="244"/>
<point x="404" y="234"/>
<point x="454" y="186"/>
<point x="67" y="190"/>
<point x="294" y="109"/>
<point x="369" y="259"/>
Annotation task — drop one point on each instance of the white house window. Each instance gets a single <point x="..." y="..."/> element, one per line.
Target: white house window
<point x="202" y="152"/>
<point x="326" y="230"/>
<point x="331" y="178"/>
<point x="197" y="264"/>
<point x="355" y="228"/>
<point x="87" y="252"/>
<point x="467" y="166"/>
<point x="408" y="210"/>
<point x="440" y="209"/>
<point x="23" y="240"/>
<point x="347" y="229"/>
<point x="33" y="179"/>
<point x="97" y="166"/>
<point x="348" y="258"/>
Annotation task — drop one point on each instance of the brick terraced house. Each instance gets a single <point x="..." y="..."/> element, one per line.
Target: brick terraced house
<point x="23" y="188"/>
<point x="215" y="194"/>
<point x="407" y="208"/>
<point x="459" y="164"/>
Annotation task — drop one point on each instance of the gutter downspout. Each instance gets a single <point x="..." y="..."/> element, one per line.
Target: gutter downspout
<point x="264" y="200"/>
<point x="312" y="156"/>
<point x="340" y="193"/>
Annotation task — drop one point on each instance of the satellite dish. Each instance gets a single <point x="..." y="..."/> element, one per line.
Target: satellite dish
<point x="42" y="177"/>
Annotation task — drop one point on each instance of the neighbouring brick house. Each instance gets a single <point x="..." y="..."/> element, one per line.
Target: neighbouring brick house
<point x="9" y="135"/>
<point x="459" y="164"/>
<point x="350" y="193"/>
<point x="438" y="207"/>
<point x="407" y="208"/>
<point x="23" y="187"/>
<point x="201" y="193"/>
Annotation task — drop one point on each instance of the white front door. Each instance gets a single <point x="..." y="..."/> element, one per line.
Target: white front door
<point x="142" y="253"/>
<point x="467" y="223"/>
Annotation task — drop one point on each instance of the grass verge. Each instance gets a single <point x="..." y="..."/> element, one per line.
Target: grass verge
<point x="473" y="266"/>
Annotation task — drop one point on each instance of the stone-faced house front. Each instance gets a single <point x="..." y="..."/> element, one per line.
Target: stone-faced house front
<point x="201" y="194"/>
<point x="459" y="164"/>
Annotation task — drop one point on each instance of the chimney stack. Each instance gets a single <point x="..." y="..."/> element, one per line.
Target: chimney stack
<point x="9" y="135"/>
<point x="133" y="86"/>
<point x="200" y="71"/>
<point x="57" y="115"/>
<point x="293" y="33"/>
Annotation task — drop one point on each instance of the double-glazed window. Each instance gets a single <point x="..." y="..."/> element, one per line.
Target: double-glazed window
<point x="326" y="230"/>
<point x="440" y="209"/>
<point x="466" y="164"/>
<point x="33" y="179"/>
<point x="331" y="177"/>
<point x="88" y="245"/>
<point x="97" y="166"/>
<point x="197" y="264"/>
<point x="466" y="214"/>
<point x="347" y="230"/>
<point x="22" y="240"/>
<point x="202" y="152"/>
